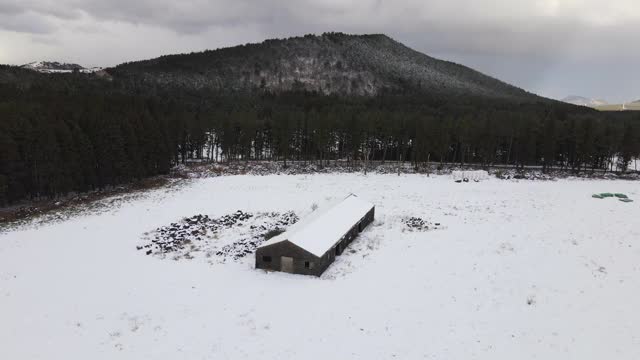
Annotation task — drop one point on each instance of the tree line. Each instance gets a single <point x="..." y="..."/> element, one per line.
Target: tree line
<point x="305" y="127"/>
<point x="56" y="139"/>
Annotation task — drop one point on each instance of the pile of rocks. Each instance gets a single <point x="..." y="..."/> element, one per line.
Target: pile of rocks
<point x="418" y="224"/>
<point x="248" y="245"/>
<point x="530" y="175"/>
<point x="204" y="170"/>
<point x="177" y="236"/>
<point x="201" y="233"/>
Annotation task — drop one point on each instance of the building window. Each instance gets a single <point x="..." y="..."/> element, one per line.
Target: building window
<point x="266" y="258"/>
<point x="308" y="265"/>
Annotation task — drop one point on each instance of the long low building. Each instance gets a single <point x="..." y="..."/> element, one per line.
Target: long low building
<point x="311" y="245"/>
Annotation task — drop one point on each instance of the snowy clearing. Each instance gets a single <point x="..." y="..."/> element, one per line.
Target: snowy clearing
<point x="513" y="269"/>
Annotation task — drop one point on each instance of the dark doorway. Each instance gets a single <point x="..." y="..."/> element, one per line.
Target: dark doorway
<point x="286" y="264"/>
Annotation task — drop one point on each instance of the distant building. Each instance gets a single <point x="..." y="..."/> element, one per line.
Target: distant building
<point x="311" y="245"/>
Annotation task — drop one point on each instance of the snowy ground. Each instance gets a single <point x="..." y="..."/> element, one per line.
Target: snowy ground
<point x="516" y="270"/>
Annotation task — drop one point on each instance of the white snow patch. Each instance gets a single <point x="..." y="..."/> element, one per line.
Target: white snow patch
<point x="520" y="269"/>
<point x="474" y="175"/>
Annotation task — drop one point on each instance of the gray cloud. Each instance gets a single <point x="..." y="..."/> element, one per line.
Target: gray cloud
<point x="541" y="45"/>
<point x="10" y="8"/>
<point x="25" y="22"/>
<point x="46" y="8"/>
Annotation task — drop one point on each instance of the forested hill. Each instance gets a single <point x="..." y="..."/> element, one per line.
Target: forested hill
<point x="332" y="63"/>
<point x="315" y="98"/>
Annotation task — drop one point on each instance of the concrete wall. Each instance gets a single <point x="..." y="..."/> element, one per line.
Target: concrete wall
<point x="300" y="256"/>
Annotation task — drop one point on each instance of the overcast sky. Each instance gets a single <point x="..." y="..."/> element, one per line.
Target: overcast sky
<point x="552" y="47"/>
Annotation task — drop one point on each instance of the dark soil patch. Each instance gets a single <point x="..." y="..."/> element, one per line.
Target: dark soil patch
<point x="24" y="212"/>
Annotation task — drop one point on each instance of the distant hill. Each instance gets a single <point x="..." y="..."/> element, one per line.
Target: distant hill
<point x="583" y="101"/>
<point x="632" y="106"/>
<point x="54" y="67"/>
<point x="332" y="63"/>
<point x="602" y="105"/>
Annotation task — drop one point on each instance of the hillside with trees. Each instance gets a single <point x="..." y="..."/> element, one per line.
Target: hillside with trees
<point x="62" y="133"/>
<point x="332" y="63"/>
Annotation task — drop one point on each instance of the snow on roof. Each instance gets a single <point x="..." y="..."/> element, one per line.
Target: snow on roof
<point x="318" y="232"/>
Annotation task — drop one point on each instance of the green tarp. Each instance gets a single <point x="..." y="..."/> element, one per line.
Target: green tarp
<point x="620" y="196"/>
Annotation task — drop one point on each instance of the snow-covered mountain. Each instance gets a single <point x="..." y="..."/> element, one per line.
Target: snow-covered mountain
<point x="53" y="67"/>
<point x="583" y="101"/>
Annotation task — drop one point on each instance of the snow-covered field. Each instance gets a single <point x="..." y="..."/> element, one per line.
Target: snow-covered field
<point x="517" y="270"/>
